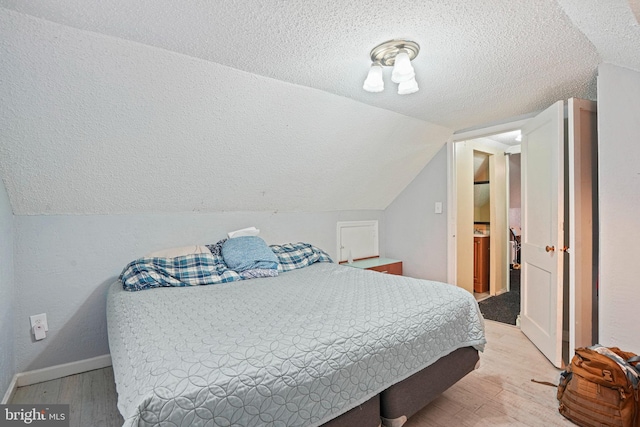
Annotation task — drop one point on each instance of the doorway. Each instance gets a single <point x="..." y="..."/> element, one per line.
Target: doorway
<point x="484" y="223"/>
<point x="558" y="200"/>
<point x="505" y="307"/>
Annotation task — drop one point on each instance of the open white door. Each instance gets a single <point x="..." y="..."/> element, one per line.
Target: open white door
<point x="581" y="150"/>
<point x="542" y="231"/>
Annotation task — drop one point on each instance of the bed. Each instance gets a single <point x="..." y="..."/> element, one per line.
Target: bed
<point x="321" y="345"/>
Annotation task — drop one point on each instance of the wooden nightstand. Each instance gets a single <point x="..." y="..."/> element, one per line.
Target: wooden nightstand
<point x="383" y="265"/>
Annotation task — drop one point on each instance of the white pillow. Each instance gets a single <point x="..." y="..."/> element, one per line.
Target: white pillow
<point x="250" y="231"/>
<point x="181" y="251"/>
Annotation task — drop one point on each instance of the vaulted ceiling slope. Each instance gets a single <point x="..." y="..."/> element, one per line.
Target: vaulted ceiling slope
<point x="99" y="125"/>
<point x="113" y="106"/>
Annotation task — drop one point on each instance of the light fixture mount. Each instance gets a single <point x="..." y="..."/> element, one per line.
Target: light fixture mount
<point x="397" y="54"/>
<point x="385" y="53"/>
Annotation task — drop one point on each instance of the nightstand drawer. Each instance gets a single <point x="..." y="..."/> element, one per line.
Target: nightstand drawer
<point x="382" y="265"/>
<point x="393" y="268"/>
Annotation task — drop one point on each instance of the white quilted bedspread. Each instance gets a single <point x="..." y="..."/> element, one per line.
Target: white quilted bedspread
<point x="294" y="350"/>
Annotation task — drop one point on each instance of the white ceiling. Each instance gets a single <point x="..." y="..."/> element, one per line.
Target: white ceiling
<point x="140" y="91"/>
<point x="480" y="60"/>
<point x="507" y="138"/>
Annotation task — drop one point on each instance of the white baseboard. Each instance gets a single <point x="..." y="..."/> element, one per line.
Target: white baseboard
<point x="10" y="391"/>
<point x="500" y="292"/>
<point x="64" y="370"/>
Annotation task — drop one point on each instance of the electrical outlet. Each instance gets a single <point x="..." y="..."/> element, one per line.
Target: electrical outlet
<point x="39" y="319"/>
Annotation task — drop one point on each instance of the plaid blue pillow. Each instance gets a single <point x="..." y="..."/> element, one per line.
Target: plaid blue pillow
<point x="210" y="269"/>
<point x="298" y="255"/>
<point x="188" y="270"/>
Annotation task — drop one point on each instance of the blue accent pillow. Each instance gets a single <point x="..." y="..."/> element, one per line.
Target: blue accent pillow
<point x="248" y="253"/>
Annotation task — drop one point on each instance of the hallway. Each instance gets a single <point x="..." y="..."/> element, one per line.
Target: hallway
<point x="505" y="307"/>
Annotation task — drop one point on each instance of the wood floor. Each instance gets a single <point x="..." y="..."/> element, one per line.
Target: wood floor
<point x="91" y="397"/>
<point x="500" y="393"/>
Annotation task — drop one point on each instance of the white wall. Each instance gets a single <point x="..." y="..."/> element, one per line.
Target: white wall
<point x="65" y="263"/>
<point x="515" y="194"/>
<point x="619" y="198"/>
<point x="96" y="132"/>
<point x="414" y="233"/>
<point x="7" y="292"/>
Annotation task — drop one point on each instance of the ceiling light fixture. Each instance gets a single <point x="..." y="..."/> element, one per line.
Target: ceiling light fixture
<point x="396" y="53"/>
<point x="374" y="82"/>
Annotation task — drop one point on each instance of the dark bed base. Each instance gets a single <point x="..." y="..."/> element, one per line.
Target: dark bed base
<point x="365" y="415"/>
<point x="400" y="401"/>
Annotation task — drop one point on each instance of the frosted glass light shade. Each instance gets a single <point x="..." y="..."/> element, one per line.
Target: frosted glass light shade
<point x="374" y="82"/>
<point x="405" y="88"/>
<point x="402" y="69"/>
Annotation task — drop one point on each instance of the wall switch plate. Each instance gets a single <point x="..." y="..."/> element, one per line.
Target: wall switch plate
<point x="438" y="208"/>
<point x="39" y="319"/>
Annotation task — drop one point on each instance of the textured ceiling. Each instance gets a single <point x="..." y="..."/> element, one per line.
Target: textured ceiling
<point x="480" y="60"/>
<point x="611" y="26"/>
<point x="116" y="106"/>
<point x="91" y="124"/>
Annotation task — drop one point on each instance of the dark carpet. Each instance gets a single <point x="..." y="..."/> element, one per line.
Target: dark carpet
<point x="505" y="307"/>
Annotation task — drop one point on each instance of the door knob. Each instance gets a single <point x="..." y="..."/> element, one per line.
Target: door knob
<point x="550" y="248"/>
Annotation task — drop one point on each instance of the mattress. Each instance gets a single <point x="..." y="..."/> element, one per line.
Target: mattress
<point x="294" y="350"/>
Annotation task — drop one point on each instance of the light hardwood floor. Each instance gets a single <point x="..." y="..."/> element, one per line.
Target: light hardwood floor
<point x="499" y="393"/>
<point x="91" y="397"/>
